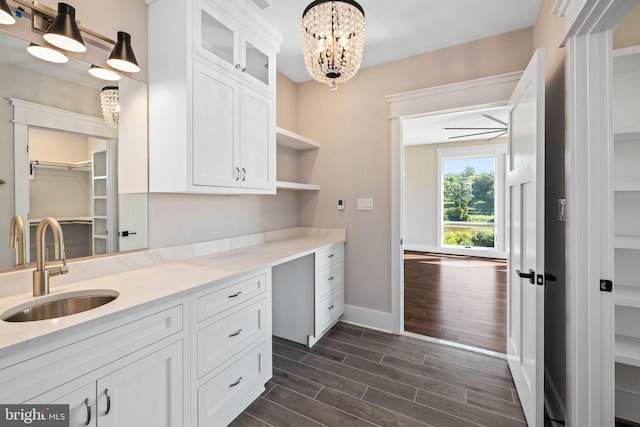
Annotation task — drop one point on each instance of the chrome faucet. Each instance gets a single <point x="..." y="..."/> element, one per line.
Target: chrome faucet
<point x="16" y="235"/>
<point x="41" y="274"/>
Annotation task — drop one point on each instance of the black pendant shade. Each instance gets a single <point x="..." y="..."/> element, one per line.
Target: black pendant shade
<point x="122" y="57"/>
<point x="6" y="17"/>
<point x="64" y="32"/>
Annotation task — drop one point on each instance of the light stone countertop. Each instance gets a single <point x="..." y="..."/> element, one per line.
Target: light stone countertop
<point x="171" y="279"/>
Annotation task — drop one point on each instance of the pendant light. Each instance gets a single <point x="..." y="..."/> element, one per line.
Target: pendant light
<point x="122" y="57"/>
<point x="104" y="73"/>
<point x="6" y="17"/>
<point x="110" y="103"/>
<point x="64" y="32"/>
<point x="333" y="32"/>
<point x="47" y="54"/>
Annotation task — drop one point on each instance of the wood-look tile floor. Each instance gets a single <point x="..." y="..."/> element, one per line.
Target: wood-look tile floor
<point x="456" y="298"/>
<point x="359" y="377"/>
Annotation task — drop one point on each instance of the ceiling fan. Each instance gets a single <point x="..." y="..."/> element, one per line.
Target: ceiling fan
<point x="493" y="132"/>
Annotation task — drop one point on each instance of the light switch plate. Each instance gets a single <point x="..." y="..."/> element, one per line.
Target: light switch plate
<point x="340" y="204"/>
<point x="365" y="204"/>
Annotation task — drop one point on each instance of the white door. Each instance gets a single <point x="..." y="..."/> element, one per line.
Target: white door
<point x="525" y="184"/>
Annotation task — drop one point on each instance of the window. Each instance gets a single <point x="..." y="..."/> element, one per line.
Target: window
<point x="471" y="192"/>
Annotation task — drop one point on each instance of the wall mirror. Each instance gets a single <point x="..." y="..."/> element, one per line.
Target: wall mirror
<point x="59" y="158"/>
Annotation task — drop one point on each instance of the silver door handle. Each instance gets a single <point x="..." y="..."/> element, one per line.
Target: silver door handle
<point x="88" y="406"/>
<point x="236" y="333"/>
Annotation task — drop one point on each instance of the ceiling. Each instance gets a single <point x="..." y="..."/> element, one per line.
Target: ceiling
<point x="401" y="28"/>
<point x="432" y="129"/>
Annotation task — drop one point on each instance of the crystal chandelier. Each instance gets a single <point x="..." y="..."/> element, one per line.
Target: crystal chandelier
<point x="110" y="102"/>
<point x="333" y="34"/>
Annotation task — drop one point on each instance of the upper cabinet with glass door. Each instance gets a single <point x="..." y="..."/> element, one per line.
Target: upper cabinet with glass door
<point x="212" y="98"/>
<point x="224" y="41"/>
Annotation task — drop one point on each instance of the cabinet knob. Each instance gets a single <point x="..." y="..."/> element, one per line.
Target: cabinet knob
<point x="244" y="70"/>
<point x="88" y="406"/>
<point x="238" y="66"/>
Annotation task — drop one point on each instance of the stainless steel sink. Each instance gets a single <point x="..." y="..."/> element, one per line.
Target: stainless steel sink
<point x="54" y="306"/>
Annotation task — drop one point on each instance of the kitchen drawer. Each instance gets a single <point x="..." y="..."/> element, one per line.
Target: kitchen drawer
<point x="330" y="254"/>
<point x="226" y="394"/>
<point x="329" y="278"/>
<point x="237" y="292"/>
<point x="329" y="309"/>
<point x="223" y="339"/>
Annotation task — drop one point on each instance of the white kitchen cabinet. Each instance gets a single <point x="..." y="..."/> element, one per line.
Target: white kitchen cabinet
<point x="311" y="291"/>
<point x="146" y="391"/>
<point x="212" y="107"/>
<point x="227" y="41"/>
<point x="626" y="240"/>
<point x="231" y="353"/>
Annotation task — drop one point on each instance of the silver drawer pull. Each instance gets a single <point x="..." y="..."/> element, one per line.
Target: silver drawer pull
<point x="236" y="333"/>
<point x="331" y="278"/>
<point x="86" y="403"/>
<point x="235" y="383"/>
<point x="237" y="294"/>
<point x="330" y="255"/>
<point x="331" y="308"/>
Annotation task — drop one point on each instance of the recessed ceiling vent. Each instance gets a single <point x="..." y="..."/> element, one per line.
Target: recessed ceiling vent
<point x="262" y="4"/>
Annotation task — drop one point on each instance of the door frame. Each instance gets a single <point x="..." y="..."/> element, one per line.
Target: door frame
<point x="467" y="95"/>
<point x="588" y="39"/>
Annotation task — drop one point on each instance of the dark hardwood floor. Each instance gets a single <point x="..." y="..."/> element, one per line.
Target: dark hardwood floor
<point x="456" y="298"/>
<point x="359" y="377"/>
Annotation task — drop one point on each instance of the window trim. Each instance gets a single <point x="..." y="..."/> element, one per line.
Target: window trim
<point x="499" y="152"/>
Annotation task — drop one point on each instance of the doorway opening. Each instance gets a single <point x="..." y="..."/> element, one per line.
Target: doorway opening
<point x="455" y="283"/>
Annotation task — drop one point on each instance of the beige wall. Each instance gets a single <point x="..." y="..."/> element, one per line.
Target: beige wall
<point x="628" y="33"/>
<point x="354" y="159"/>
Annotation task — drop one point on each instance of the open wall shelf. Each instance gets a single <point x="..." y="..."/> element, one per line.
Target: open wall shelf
<point x="293" y="141"/>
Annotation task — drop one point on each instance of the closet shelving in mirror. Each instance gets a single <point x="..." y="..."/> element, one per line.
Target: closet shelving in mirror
<point x="291" y="140"/>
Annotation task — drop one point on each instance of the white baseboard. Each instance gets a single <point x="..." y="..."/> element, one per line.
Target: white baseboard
<point x="372" y="319"/>
<point x="552" y="401"/>
<point x="480" y="253"/>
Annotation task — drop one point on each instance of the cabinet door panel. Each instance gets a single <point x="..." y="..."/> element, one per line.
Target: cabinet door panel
<point x="215" y="108"/>
<point x="257" y="140"/>
<point x="81" y="399"/>
<point x="147" y="392"/>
